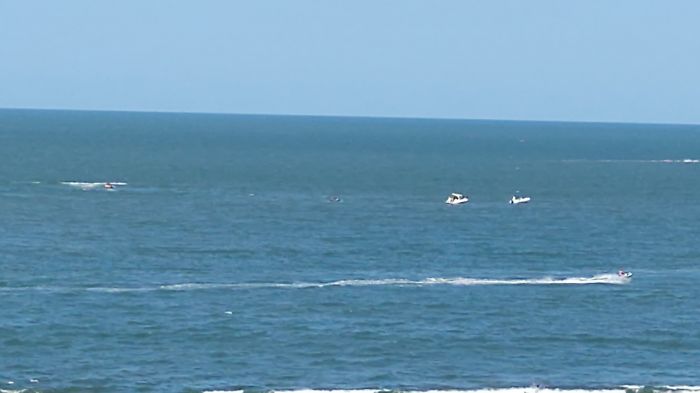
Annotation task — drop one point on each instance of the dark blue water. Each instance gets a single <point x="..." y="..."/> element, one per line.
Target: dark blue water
<point x="288" y="253"/>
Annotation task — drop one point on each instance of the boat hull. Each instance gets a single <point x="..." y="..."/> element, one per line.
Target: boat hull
<point x="517" y="201"/>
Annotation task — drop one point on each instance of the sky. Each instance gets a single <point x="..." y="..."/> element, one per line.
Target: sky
<point x="574" y="60"/>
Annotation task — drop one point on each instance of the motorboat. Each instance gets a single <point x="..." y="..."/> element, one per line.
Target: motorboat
<point x="624" y="274"/>
<point x="109" y="186"/>
<point x="456" y="199"/>
<point x="515" y="200"/>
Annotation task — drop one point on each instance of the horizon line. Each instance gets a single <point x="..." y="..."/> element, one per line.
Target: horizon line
<point x="172" y="112"/>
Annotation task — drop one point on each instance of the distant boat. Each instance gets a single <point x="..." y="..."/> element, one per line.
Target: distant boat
<point x="516" y="200"/>
<point x="456" y="199"/>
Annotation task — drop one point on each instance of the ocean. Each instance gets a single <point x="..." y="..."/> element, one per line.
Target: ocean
<point x="300" y="254"/>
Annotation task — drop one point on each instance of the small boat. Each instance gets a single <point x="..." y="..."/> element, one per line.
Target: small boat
<point x="515" y="200"/>
<point x="456" y="199"/>
<point x="624" y="274"/>
<point x="109" y="186"/>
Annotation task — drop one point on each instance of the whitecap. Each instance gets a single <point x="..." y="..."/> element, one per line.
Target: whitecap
<point x="529" y="389"/>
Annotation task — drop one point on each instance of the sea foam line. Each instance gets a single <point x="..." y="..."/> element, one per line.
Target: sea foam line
<point x="605" y="279"/>
<point x="661" y="161"/>
<point x="621" y="389"/>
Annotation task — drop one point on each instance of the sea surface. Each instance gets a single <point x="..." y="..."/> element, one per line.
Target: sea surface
<point x="264" y="253"/>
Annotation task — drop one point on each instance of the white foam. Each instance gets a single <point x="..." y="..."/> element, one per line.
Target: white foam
<point x="91" y="185"/>
<point x="600" y="279"/>
<point x="529" y="389"/>
<point x="195" y="286"/>
<point x="364" y="283"/>
<point x="597" y="279"/>
<point x="683" y="161"/>
<point x="661" y="161"/>
<point x="224" y="391"/>
<point x="467" y="281"/>
<point x="82" y="185"/>
<point x="118" y="289"/>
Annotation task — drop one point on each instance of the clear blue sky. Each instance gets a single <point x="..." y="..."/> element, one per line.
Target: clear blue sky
<point x="592" y="60"/>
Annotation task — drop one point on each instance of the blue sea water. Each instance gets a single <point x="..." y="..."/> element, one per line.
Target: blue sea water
<point x="266" y="253"/>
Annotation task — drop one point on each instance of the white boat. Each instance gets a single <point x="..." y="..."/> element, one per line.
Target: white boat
<point x="456" y="199"/>
<point x="91" y="186"/>
<point x="514" y="200"/>
<point x="624" y="274"/>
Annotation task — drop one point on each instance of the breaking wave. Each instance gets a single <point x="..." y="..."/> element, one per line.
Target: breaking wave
<point x="604" y="279"/>
<point x="531" y="389"/>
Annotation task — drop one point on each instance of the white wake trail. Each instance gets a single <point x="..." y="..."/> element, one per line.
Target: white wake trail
<point x="609" y="279"/>
<point x="601" y="279"/>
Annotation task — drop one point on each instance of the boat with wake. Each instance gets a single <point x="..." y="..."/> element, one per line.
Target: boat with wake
<point x="516" y="199"/>
<point x="91" y="186"/>
<point x="456" y="199"/>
